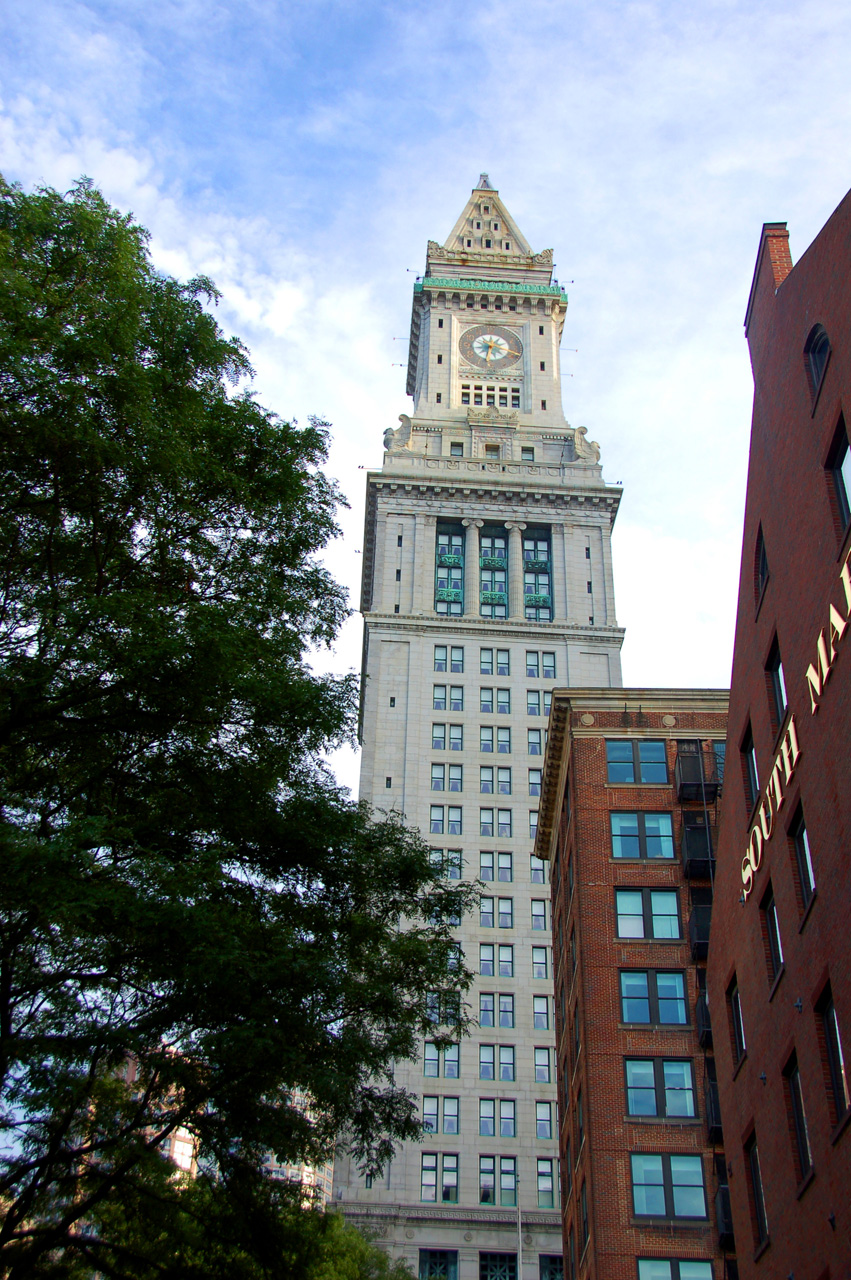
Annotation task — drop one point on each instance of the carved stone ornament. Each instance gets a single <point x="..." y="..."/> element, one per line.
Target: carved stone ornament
<point x="400" y="438"/>
<point x="544" y="257"/>
<point x="492" y="415"/>
<point x="586" y="450"/>
<point x="436" y="252"/>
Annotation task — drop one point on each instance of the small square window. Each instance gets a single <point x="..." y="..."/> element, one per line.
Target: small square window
<point x="456" y="449"/>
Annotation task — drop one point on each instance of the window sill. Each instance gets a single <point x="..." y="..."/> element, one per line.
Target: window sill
<point x="637" y="1221"/>
<point x="667" y="1121"/>
<point x="614" y="786"/>
<point x="761" y="1248"/>
<point x="776" y="983"/>
<point x="740" y="1064"/>
<point x="679" y="1027"/>
<point x="806" y="1181"/>
<point x="656" y="942"/>
<point x="805" y="917"/>
<point x="840" y="1127"/>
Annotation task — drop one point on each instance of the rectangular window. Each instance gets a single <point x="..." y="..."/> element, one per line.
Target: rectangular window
<point x="486" y="701"/>
<point x="532" y="665"/>
<point x="430" y="1114"/>
<point x="667" y="1186"/>
<point x="456" y="777"/>
<point x="439" y="1264"/>
<point x="486" y="1009"/>
<point x="546" y="1184"/>
<point x="487" y="1117"/>
<point x="507" y="1118"/>
<point x="776" y="681"/>
<point x="486" y="779"/>
<point x="505" y="865"/>
<point x="486" y="738"/>
<point x="486" y="959"/>
<point x="543" y="1120"/>
<point x="653" y="996"/>
<point x="535" y="780"/>
<point x="438" y="697"/>
<point x="503" y="702"/>
<point x="438" y="777"/>
<point x="506" y="1010"/>
<point x="456" y="698"/>
<point x="486" y="662"/>
<point x="647" y="913"/>
<point x="750" y="773"/>
<point x="454" y="823"/>
<point x="506" y="913"/>
<point x="534" y="741"/>
<point x="548" y="701"/>
<point x="428" y="1176"/>
<point x="542" y="1065"/>
<point x="449" y="1180"/>
<point x="508" y="1181"/>
<point x="486" y="866"/>
<point x="440" y="657"/>
<point x="539" y="913"/>
<point x="438" y="737"/>
<point x="486" y="822"/>
<point x="539" y="962"/>
<point x="803" y="859"/>
<point x="636" y="761"/>
<point x="674" y="1269"/>
<point x="533" y="702"/>
<point x="431" y="1059"/>
<point x="503" y="780"/>
<point x="486" y="1061"/>
<point x="642" y="835"/>
<point x="491" y="450"/>
<point x="797" y="1116"/>
<point x="456" y="449"/>
<point x="548" y="663"/>
<point x="503" y="741"/>
<point x="756" y="1193"/>
<point x="661" y="1087"/>
<point x="836" y="1074"/>
<point x="503" y="662"/>
<point x="487" y="1179"/>
<point x="533" y="824"/>
<point x="456" y="737"/>
<point x="771" y="933"/>
<point x="486" y="913"/>
<point x="506" y="960"/>
<point x="541" y="1013"/>
<point x="503" y="822"/>
<point x="451" y="1061"/>
<point x="537" y="870"/>
<point x="506" y="1062"/>
<point x="737" y="1022"/>
<point x="840" y="466"/>
<point x="436" y="819"/>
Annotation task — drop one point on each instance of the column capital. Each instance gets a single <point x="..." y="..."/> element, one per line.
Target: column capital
<point x="476" y="524"/>
<point x="514" y="524"/>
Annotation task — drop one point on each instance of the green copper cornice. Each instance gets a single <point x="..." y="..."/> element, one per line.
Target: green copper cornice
<point x="490" y="286"/>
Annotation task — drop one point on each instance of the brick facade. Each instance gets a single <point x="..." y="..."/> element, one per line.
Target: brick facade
<point x="600" y="1051"/>
<point x="778" y="1097"/>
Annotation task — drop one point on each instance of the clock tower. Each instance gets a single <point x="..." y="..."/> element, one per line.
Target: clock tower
<point x="487" y="583"/>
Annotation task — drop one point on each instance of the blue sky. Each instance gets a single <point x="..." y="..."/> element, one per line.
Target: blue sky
<point x="302" y="155"/>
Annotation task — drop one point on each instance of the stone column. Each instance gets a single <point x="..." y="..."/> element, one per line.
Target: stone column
<point x="471" y="567"/>
<point x="515" y="568"/>
<point x="559" y="571"/>
<point x="425" y="535"/>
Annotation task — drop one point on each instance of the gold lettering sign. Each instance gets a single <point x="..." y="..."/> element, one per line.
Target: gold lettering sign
<point x="818" y="672"/>
<point x="770" y="803"/>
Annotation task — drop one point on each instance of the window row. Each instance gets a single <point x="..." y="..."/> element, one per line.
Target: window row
<point x="493" y="396"/>
<point x="448" y="820"/>
<point x="497" y="1117"/>
<point x="496" y="1062"/>
<point x="497" y="1180"/>
<point x="492" y="865"/>
<point x="451" y="698"/>
<point x="492" y="780"/>
<point x="498" y="960"/>
<point x="493" y="573"/>
<point x="496" y="1009"/>
<point x="442" y="1264"/>
<point x="490" y="739"/>
<point x="501" y="911"/>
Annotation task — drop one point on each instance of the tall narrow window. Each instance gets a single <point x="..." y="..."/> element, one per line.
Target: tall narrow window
<point x="756" y="1194"/>
<point x="771" y="934"/>
<point x="760" y="567"/>
<point x="545" y="1185"/>
<point x="493" y="569"/>
<point x="798" y="1128"/>
<point x="803" y="859"/>
<point x="449" y="572"/>
<point x="837" y="1076"/>
<point x="737" y="1023"/>
<point x="816" y="352"/>
<point x="750" y="774"/>
<point x="840" y="466"/>
<point x="537" y="576"/>
<point x="776" y="682"/>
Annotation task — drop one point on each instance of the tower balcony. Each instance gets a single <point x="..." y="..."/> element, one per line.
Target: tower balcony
<point x="492" y="562"/>
<point x="536" y="566"/>
<point x="538" y="602"/>
<point x="494" y="597"/>
<point x="450" y="596"/>
<point x="452" y="561"/>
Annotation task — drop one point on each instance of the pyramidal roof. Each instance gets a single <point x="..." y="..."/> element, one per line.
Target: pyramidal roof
<point x="485" y="241"/>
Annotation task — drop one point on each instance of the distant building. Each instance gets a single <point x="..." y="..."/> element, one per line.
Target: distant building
<point x="627" y="824"/>
<point x="779" y="975"/>
<point x="487" y="578"/>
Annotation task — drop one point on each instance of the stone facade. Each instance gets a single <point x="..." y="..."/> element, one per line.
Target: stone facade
<point x="487" y="579"/>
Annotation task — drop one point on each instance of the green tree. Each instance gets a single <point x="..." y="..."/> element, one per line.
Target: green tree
<point x="194" y="919"/>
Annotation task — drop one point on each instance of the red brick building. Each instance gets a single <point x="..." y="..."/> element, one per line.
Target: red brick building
<point x="778" y="975"/>
<point x="628" y="815"/>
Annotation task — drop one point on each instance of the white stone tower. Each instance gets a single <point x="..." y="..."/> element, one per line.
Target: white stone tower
<point x="487" y="581"/>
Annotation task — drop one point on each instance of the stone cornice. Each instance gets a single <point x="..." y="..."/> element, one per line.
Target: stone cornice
<point x="482" y="628"/>
<point x="419" y="1216"/>
<point x="488" y="286"/>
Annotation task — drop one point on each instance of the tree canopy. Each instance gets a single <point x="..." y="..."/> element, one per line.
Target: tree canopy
<point x="194" y="919"/>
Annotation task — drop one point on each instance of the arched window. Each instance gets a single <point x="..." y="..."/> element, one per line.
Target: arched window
<point x="760" y="566"/>
<point x="816" y="352"/>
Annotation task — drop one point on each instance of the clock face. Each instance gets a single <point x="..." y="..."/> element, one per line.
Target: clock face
<point x="490" y="346"/>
